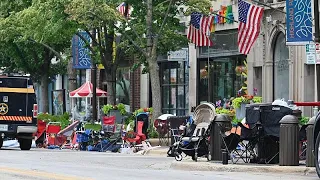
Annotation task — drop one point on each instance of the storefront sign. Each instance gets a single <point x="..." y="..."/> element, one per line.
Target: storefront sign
<point x="312" y="53"/>
<point x="299" y="22"/>
<point x="80" y="53"/>
<point x="225" y="15"/>
<point x="181" y="54"/>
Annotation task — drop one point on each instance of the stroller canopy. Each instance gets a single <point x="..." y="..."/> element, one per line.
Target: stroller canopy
<point x="205" y="112"/>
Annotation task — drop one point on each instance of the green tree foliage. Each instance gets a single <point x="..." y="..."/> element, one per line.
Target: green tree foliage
<point x="98" y="19"/>
<point x="154" y="30"/>
<point x="32" y="33"/>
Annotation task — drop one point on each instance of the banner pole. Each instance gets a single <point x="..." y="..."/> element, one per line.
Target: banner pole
<point x="208" y="72"/>
<point x="315" y="109"/>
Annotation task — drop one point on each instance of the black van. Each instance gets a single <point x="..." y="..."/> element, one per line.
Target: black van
<point x="17" y="120"/>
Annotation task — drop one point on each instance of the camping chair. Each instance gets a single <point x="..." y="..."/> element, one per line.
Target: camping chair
<point x="176" y="137"/>
<point x="249" y="139"/>
<point x="135" y="138"/>
<point x="269" y="142"/>
<point x="230" y="141"/>
<point x="109" y="126"/>
<point x="303" y="142"/>
<point x="52" y="129"/>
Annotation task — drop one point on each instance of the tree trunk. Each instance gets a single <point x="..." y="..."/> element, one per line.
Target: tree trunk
<point x="111" y="85"/>
<point x="72" y="84"/>
<point x="44" y="82"/>
<point x="155" y="87"/>
<point x="44" y="98"/>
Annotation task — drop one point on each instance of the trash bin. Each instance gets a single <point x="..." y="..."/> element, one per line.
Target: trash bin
<point x="215" y="137"/>
<point x="310" y="162"/>
<point x="289" y="141"/>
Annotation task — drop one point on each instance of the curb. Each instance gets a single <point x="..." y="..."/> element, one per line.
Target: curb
<point x="214" y="166"/>
<point x="157" y="152"/>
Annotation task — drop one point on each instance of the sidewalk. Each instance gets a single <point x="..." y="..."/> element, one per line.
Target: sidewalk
<point x="202" y="165"/>
<point x="188" y="165"/>
<point x="160" y="151"/>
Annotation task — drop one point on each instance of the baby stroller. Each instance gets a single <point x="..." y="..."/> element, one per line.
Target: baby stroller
<point x="198" y="144"/>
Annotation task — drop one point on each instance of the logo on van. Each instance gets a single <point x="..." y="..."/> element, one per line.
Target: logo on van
<point x="3" y="108"/>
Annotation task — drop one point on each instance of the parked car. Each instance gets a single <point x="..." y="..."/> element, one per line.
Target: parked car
<point x="317" y="143"/>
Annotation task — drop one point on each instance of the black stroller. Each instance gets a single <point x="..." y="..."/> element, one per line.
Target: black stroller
<point x="197" y="144"/>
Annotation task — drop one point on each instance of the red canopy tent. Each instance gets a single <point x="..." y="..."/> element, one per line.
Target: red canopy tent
<point x="86" y="90"/>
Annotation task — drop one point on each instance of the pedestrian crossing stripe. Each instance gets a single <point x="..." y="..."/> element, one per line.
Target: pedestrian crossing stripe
<point x="15" y="118"/>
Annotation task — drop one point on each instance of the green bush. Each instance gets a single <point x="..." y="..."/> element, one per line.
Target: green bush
<point x="62" y="119"/>
<point x="153" y="133"/>
<point x="303" y="120"/>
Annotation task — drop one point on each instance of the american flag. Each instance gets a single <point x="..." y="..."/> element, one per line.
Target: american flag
<point x="250" y="17"/>
<point x="199" y="29"/>
<point x="122" y="9"/>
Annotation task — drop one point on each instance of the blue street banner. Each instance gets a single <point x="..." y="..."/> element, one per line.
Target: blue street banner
<point x="299" y="22"/>
<point x="80" y="53"/>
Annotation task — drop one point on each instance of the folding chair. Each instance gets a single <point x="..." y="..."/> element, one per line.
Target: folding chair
<point x="249" y="139"/>
<point x="108" y="125"/>
<point x="230" y="141"/>
<point x="269" y="141"/>
<point x="303" y="142"/>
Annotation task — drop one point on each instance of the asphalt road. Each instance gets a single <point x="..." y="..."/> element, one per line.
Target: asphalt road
<point x="46" y="164"/>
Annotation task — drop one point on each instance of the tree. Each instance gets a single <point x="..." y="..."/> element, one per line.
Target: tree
<point x="157" y="22"/>
<point x="98" y="19"/>
<point x="32" y="33"/>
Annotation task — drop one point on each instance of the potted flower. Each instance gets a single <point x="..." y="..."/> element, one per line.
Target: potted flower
<point x="239" y="104"/>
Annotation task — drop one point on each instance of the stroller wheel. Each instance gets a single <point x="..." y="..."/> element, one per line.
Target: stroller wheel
<point x="195" y="158"/>
<point x="209" y="156"/>
<point x="178" y="157"/>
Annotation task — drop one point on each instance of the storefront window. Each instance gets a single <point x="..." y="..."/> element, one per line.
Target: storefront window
<point x="220" y="80"/>
<point x="123" y="86"/>
<point x="174" y="87"/>
<point x="281" y="68"/>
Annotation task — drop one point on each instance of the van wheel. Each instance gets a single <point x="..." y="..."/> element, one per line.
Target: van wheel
<point x="317" y="155"/>
<point x="25" y="144"/>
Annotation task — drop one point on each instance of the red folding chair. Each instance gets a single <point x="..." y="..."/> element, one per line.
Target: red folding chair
<point x="109" y="124"/>
<point x="139" y="131"/>
<point x="52" y="131"/>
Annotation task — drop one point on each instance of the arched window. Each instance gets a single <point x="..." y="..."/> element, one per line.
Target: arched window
<point x="280" y="68"/>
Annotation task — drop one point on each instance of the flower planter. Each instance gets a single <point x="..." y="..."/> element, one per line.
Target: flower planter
<point x="241" y="111"/>
<point x="117" y="114"/>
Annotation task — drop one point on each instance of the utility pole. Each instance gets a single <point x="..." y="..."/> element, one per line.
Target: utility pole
<point x="94" y="92"/>
<point x="316" y="20"/>
<point x="94" y="82"/>
<point x="316" y="40"/>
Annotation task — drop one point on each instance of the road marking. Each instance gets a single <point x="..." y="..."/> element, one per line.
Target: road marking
<point x="35" y="173"/>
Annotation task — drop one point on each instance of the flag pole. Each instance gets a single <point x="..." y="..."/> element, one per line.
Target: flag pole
<point x="208" y="71"/>
<point x="316" y="40"/>
<point x="315" y="109"/>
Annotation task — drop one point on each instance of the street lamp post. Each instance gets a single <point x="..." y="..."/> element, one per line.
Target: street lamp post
<point x="94" y="92"/>
<point x="316" y="40"/>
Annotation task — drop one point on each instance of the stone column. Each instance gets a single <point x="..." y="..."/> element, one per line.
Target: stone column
<point x="192" y="76"/>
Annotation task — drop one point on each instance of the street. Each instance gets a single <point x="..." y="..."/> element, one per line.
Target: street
<point x="65" y="164"/>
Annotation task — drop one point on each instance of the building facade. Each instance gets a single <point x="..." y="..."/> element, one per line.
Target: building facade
<point x="275" y="70"/>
